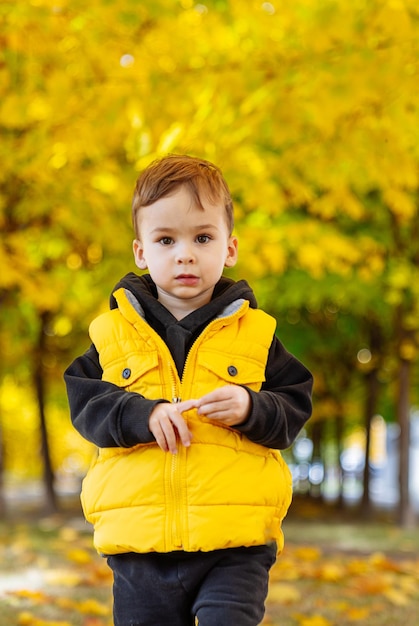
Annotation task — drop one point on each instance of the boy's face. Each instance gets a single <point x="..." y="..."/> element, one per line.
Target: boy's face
<point x="185" y="249"/>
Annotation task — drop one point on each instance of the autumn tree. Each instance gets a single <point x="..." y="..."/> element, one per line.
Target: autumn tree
<point x="309" y="108"/>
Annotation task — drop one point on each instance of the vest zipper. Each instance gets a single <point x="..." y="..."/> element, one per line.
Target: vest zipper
<point x="200" y="339"/>
<point x="173" y="382"/>
<point x="178" y="461"/>
<point x="176" y="494"/>
<point x="175" y="477"/>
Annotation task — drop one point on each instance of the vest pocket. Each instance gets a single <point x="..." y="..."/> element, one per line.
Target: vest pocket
<point x="232" y="369"/>
<point x="126" y="371"/>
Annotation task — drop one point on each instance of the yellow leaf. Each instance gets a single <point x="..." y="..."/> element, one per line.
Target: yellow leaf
<point x="401" y="203"/>
<point x="284" y="569"/>
<point x="358" y="566"/>
<point x="396" y="597"/>
<point x="315" y="620"/>
<point x="25" y="619"/>
<point x="307" y="553"/>
<point x="64" y="577"/>
<point x="106" y="183"/>
<point x="339" y="605"/>
<point x="37" y="597"/>
<point x="331" y="572"/>
<point x="311" y="259"/>
<point x="409" y="584"/>
<point x="283" y="593"/>
<point x="169" y="138"/>
<point x="92" y="607"/>
<point x="42" y="622"/>
<point x="358" y="614"/>
<point x="378" y="559"/>
<point x="39" y="109"/>
<point x="373" y="584"/>
<point x="80" y="556"/>
<point x="66" y="603"/>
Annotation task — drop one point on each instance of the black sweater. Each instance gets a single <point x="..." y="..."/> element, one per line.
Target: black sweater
<point x="109" y="416"/>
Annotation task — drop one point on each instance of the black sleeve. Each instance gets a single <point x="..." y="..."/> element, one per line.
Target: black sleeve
<point x="283" y="405"/>
<point x="102" y="412"/>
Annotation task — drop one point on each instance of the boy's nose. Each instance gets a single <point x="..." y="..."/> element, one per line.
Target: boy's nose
<point x="184" y="256"/>
<point x="184" y="259"/>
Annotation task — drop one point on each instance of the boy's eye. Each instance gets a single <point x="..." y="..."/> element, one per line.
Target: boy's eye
<point x="166" y="241"/>
<point x="203" y="238"/>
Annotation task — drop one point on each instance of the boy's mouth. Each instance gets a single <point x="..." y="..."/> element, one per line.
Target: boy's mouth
<point x="187" y="279"/>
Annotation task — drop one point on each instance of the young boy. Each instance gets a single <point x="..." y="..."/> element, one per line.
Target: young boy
<point x="189" y="396"/>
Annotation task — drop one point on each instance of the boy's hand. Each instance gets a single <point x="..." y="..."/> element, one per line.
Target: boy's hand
<point x="166" y="422"/>
<point x="230" y="405"/>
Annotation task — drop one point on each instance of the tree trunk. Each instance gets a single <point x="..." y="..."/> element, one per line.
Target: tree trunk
<point x="317" y="436"/>
<point x="3" y="508"/>
<point x="371" y="400"/>
<point x="39" y="383"/>
<point x="370" y="410"/>
<point x="406" y="514"/>
<point x="339" y="444"/>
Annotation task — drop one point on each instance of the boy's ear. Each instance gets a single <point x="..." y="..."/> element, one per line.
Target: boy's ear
<point x="138" y="250"/>
<point x="232" y="251"/>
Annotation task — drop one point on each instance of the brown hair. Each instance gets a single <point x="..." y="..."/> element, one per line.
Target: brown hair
<point x="162" y="177"/>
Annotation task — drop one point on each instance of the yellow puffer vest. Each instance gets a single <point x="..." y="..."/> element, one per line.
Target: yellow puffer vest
<point x="224" y="490"/>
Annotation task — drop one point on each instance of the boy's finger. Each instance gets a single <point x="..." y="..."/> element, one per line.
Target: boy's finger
<point x="169" y="435"/>
<point x="213" y="407"/>
<point x="160" y="438"/>
<point x="213" y="403"/>
<point x="186" y="405"/>
<point x="218" y="395"/>
<point x="182" y="428"/>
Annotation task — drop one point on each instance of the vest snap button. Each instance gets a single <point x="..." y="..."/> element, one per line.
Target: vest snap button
<point x="126" y="373"/>
<point x="232" y="370"/>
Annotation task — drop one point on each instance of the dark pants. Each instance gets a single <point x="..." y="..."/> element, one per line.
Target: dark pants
<point x="220" y="588"/>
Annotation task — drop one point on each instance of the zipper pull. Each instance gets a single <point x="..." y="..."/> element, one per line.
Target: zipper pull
<point x="176" y="399"/>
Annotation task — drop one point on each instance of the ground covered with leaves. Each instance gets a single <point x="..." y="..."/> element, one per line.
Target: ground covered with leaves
<point x="332" y="572"/>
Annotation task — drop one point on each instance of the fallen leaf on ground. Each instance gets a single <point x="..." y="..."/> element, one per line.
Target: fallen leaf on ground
<point x="283" y="593"/>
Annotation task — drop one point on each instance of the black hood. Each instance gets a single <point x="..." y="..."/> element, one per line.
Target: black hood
<point x="180" y="334"/>
<point x="225" y="291"/>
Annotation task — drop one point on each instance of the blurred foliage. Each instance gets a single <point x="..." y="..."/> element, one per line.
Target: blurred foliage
<point x="312" y="111"/>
